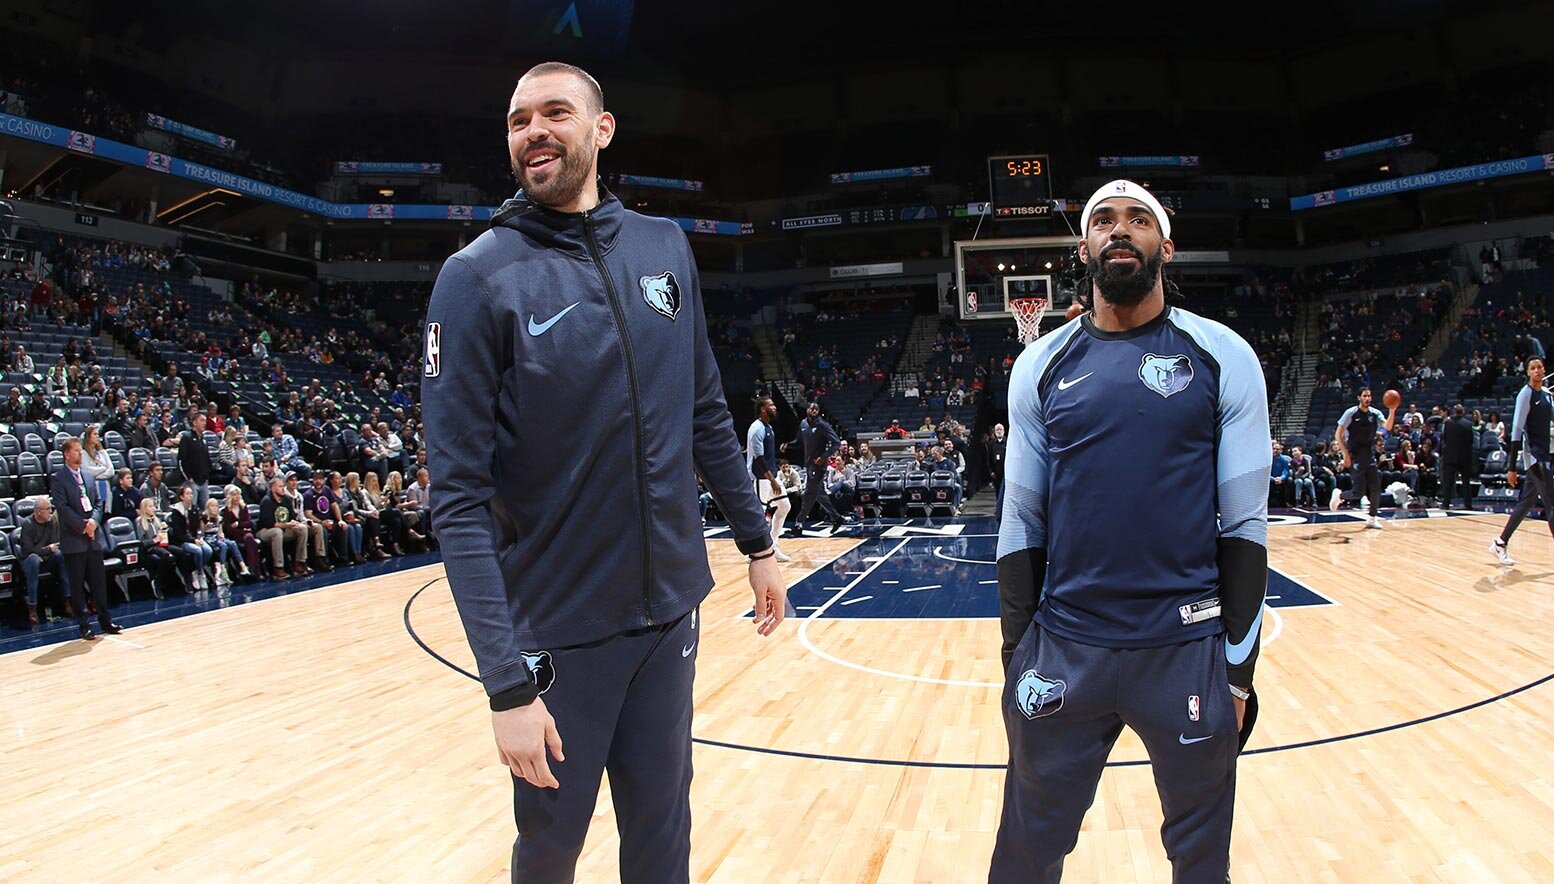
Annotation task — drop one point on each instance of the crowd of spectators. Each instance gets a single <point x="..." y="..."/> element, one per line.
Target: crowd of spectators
<point x="282" y="483"/>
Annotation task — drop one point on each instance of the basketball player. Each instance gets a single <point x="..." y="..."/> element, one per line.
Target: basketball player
<point x="1530" y="450"/>
<point x="1130" y="578"/>
<point x="1356" y="438"/>
<point x="818" y="442"/>
<point x="578" y="566"/>
<point x="761" y="456"/>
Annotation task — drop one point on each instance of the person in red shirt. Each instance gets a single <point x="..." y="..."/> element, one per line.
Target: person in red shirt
<point x="895" y="430"/>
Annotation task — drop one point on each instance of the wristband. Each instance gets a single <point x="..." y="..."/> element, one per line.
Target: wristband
<point x="1238" y="693"/>
<point x="518" y="695"/>
<point x="766" y="555"/>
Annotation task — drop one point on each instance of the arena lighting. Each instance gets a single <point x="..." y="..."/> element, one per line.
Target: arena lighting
<point x="386" y="192"/>
<point x="1012" y="267"/>
<point x="1000" y="266"/>
<point x="1048" y="265"/>
<point x="213" y="191"/>
<point x="1385" y="169"/>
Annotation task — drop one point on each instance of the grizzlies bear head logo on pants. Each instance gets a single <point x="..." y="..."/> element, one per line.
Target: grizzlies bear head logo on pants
<point x="1166" y="375"/>
<point x="662" y="293"/>
<point x="1037" y="696"/>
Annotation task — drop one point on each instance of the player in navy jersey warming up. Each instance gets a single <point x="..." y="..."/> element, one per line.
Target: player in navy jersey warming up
<point x="1356" y="438"/>
<point x="1530" y="452"/>
<point x="1158" y="632"/>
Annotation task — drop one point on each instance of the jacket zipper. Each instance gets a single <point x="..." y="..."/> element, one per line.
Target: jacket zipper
<point x="636" y="416"/>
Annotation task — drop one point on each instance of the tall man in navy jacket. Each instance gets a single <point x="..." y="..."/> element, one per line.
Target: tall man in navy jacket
<point x="578" y="568"/>
<point x="80" y="520"/>
<point x="819" y="441"/>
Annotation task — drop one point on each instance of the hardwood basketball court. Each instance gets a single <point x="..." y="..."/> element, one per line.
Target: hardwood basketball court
<point x="1405" y="732"/>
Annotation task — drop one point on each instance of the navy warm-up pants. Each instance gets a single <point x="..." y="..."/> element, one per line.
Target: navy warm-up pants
<point x="1537" y="487"/>
<point x="623" y="706"/>
<point x="1065" y="704"/>
<point x="1366" y="479"/>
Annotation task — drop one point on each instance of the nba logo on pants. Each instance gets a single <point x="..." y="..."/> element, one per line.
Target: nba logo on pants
<point x="1192" y="707"/>
<point x="433" y="349"/>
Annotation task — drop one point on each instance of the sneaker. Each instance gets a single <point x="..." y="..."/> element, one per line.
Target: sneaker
<point x="1335" y="500"/>
<point x="1501" y="553"/>
<point x="783" y="557"/>
<point x="1373" y="522"/>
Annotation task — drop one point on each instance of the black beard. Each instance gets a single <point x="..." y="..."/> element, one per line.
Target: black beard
<point x="1125" y="288"/>
<point x="564" y="184"/>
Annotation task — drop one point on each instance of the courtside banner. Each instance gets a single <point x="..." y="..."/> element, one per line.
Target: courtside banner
<point x="1425" y="181"/>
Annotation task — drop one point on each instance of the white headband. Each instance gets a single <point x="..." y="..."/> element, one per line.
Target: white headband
<point x="1123" y="187"/>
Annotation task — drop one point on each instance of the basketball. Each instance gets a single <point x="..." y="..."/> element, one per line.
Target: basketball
<point x="1392" y="398"/>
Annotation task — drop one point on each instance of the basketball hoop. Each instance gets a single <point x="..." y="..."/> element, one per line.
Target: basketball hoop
<point x="1027" y="317"/>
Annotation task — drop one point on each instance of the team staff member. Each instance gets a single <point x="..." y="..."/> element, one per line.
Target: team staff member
<point x="1118" y="610"/>
<point x="78" y="529"/>
<point x="578" y="569"/>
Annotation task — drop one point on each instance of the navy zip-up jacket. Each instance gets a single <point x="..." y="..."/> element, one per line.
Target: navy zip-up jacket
<point x="571" y="399"/>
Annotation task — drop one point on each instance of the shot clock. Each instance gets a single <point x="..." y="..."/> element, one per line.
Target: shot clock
<point x="1020" y="186"/>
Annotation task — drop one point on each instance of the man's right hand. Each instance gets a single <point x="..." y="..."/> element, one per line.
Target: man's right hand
<point x="91" y="529"/>
<point x="1510" y="477"/>
<point x="522" y="735"/>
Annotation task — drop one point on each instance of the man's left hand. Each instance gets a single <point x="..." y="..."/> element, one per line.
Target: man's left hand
<point x="1240" y="713"/>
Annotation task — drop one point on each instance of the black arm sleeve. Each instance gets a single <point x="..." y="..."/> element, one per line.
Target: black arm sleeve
<point x="1020" y="578"/>
<point x="1243" y="575"/>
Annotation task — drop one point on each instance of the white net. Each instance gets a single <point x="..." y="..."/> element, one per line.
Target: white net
<point x="1027" y="317"/>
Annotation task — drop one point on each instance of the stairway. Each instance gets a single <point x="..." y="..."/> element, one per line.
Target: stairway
<point x="776" y="368"/>
<point x="1441" y="339"/>
<point x="1292" y="405"/>
<point x="915" y="350"/>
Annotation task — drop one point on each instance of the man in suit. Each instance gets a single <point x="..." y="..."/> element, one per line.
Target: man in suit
<point x="79" y="524"/>
<point x="997" y="452"/>
<point x="819" y="442"/>
<point x="1457" y="458"/>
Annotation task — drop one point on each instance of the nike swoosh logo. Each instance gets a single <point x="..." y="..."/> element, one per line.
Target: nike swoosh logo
<point x="538" y="329"/>
<point x="1065" y="383"/>
<point x="1237" y="652"/>
<point x="686" y="652"/>
<point x="1182" y="738"/>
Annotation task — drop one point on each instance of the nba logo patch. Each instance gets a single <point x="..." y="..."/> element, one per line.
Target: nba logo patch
<point x="433" y="349"/>
<point x="1192" y="707"/>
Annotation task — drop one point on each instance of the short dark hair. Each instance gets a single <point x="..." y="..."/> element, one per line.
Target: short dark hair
<point x="590" y="85"/>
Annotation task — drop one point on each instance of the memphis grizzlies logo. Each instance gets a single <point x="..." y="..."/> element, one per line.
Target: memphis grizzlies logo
<point x="662" y="293"/>
<point x="542" y="666"/>
<point x="1166" y="375"/>
<point x="1037" y="696"/>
